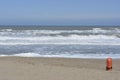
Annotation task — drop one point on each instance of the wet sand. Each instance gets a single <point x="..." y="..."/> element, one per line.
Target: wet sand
<point x="21" y="68"/>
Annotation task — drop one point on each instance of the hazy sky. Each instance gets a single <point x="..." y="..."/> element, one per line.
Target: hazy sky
<point x="60" y="12"/>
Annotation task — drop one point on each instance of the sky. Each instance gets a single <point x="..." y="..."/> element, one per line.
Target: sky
<point x="59" y="12"/>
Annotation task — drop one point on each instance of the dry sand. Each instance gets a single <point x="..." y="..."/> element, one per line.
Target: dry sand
<point x="18" y="68"/>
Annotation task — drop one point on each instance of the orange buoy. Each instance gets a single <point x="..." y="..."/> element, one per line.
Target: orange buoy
<point x="109" y="64"/>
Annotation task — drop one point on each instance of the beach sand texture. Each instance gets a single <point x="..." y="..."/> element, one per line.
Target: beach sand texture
<point x="20" y="68"/>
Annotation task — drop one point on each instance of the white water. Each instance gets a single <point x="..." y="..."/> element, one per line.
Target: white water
<point x="84" y="56"/>
<point x="96" y="36"/>
<point x="99" y="37"/>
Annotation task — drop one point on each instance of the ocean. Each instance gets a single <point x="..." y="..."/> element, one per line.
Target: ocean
<point x="97" y="42"/>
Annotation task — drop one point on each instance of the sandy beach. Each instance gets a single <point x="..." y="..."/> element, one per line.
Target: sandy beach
<point x="21" y="68"/>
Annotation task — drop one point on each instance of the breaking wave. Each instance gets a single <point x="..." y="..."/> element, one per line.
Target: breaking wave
<point x="71" y="43"/>
<point x="95" y="36"/>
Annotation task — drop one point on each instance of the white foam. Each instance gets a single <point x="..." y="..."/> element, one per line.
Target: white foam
<point x="28" y="37"/>
<point x="34" y="32"/>
<point x="27" y="55"/>
<point x="84" y="56"/>
<point x="72" y="39"/>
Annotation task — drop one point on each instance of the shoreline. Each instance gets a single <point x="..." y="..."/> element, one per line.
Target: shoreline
<point x="66" y="57"/>
<point x="40" y="68"/>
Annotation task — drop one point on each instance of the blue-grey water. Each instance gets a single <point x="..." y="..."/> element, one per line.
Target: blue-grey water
<point x="60" y="41"/>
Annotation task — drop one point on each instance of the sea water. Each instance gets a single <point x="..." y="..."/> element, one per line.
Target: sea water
<point x="60" y="41"/>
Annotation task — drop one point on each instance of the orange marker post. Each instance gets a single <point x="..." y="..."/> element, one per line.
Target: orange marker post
<point x="109" y="64"/>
